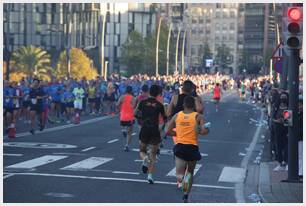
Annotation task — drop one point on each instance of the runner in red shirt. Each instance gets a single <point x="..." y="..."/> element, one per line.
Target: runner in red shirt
<point x="217" y="95"/>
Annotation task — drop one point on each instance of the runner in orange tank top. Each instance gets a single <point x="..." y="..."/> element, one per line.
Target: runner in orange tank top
<point x="126" y="107"/>
<point x="189" y="124"/>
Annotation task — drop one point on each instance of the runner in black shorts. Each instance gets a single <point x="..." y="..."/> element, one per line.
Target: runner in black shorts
<point x="149" y="111"/>
<point x="36" y="106"/>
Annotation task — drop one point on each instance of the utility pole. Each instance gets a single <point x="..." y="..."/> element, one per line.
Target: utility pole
<point x="157" y="44"/>
<point x="7" y="42"/>
<point x="183" y="53"/>
<point x="176" y="53"/>
<point x="168" y="45"/>
<point x="293" y="42"/>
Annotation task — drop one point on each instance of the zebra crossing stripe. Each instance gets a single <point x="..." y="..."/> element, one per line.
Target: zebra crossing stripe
<point x="87" y="164"/>
<point x="29" y="164"/>
<point x="172" y="173"/>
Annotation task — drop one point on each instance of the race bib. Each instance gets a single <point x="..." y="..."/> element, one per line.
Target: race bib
<point x="34" y="101"/>
<point x="7" y="100"/>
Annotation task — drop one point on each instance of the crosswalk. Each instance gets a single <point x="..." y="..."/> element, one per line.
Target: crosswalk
<point x="85" y="164"/>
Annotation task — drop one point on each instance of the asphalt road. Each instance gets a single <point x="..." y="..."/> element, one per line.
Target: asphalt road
<point x="87" y="164"/>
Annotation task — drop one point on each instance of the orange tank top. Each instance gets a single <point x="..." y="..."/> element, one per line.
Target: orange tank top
<point x="186" y="125"/>
<point x="127" y="111"/>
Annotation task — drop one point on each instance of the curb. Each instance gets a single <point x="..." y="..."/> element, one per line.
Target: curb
<point x="264" y="186"/>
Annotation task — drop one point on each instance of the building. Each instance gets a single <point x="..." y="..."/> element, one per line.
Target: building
<point x="59" y="26"/>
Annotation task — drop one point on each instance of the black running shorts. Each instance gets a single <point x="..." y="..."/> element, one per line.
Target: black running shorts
<point x="150" y="135"/>
<point x="187" y="152"/>
<point x="127" y="123"/>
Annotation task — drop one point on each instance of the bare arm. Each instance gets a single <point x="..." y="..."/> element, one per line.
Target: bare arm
<point x="201" y="122"/>
<point x="199" y="105"/>
<point x="171" y="126"/>
<point x="172" y="105"/>
<point x="118" y="104"/>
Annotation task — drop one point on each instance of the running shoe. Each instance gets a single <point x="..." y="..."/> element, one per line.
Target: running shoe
<point x="185" y="198"/>
<point x="41" y="127"/>
<point x="150" y="178"/>
<point x="179" y="184"/>
<point x="32" y="131"/>
<point x="186" y="182"/>
<point x="126" y="148"/>
<point x="145" y="164"/>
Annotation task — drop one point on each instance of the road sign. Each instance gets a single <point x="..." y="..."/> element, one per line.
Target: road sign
<point x="278" y="66"/>
<point x="278" y="51"/>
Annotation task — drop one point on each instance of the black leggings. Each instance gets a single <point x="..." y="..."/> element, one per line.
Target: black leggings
<point x="281" y="132"/>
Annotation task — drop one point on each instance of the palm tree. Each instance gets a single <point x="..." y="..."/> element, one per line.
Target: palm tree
<point x="32" y="61"/>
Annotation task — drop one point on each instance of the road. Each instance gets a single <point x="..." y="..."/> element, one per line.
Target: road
<point x="87" y="164"/>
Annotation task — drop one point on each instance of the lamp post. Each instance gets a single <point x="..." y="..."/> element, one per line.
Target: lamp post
<point x="7" y="51"/>
<point x="157" y="44"/>
<point x="105" y="71"/>
<point x="183" y="53"/>
<point x="176" y="53"/>
<point x="102" y="40"/>
<point x="168" y="45"/>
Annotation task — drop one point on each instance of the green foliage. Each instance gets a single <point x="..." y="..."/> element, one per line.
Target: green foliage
<point x="80" y="65"/>
<point x="139" y="54"/>
<point x="223" y="57"/>
<point x="32" y="61"/>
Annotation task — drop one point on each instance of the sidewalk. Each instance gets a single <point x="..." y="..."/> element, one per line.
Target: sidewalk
<point x="272" y="190"/>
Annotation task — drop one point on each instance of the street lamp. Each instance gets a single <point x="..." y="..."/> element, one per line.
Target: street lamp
<point x="168" y="45"/>
<point x="105" y="71"/>
<point x="157" y="44"/>
<point x="176" y="53"/>
<point x="102" y="39"/>
<point x="183" y="53"/>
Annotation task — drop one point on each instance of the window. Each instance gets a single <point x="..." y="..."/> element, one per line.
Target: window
<point x="218" y="5"/>
<point x="218" y="14"/>
<point x="232" y="26"/>
<point x="232" y="14"/>
<point x="224" y="27"/>
<point x="201" y="21"/>
<point x="194" y="21"/>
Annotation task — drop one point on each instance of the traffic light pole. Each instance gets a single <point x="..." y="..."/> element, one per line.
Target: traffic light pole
<point x="284" y="75"/>
<point x="293" y="106"/>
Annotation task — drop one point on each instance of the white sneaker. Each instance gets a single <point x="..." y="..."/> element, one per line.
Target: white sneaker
<point x="278" y="168"/>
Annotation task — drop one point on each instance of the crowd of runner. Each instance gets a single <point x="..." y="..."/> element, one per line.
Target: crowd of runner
<point x="161" y="106"/>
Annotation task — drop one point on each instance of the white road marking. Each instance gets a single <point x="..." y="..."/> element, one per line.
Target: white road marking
<point x="232" y="174"/>
<point x="121" y="172"/>
<point x="138" y="160"/>
<point x="172" y="173"/>
<point x="13" y="155"/>
<point x="241" y="154"/>
<point x="55" y="194"/>
<point x="87" y="149"/>
<point x="87" y="164"/>
<point x="118" y="179"/>
<point x="69" y="153"/>
<point x="134" y="133"/>
<point x="24" y="134"/>
<point x="7" y="176"/>
<point x="112" y="141"/>
<point x="38" y="145"/>
<point x="29" y="164"/>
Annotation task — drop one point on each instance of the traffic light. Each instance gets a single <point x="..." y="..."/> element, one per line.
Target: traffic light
<point x="293" y="23"/>
<point x="287" y="115"/>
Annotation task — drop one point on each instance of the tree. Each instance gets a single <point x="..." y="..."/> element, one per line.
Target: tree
<point x="133" y="53"/>
<point x="249" y="64"/>
<point x="139" y="54"/>
<point x="32" y="61"/>
<point x="80" y="65"/>
<point x="206" y="54"/>
<point x="223" y="57"/>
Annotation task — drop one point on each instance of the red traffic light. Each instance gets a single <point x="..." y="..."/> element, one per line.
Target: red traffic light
<point x="286" y="114"/>
<point x="294" y="13"/>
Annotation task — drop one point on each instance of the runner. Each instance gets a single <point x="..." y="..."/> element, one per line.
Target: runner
<point x="126" y="106"/>
<point x="189" y="125"/>
<point x="143" y="96"/>
<point x="37" y="95"/>
<point x="8" y="107"/>
<point x="78" y="93"/>
<point x="217" y="95"/>
<point x="149" y="111"/>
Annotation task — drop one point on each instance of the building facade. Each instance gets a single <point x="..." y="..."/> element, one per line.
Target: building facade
<point x="58" y="26"/>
